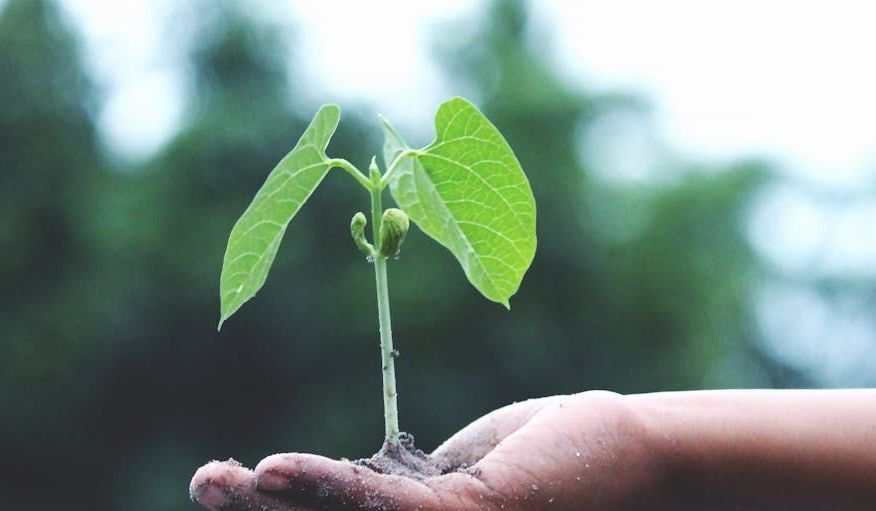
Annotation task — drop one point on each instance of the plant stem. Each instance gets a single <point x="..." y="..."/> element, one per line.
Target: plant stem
<point x="352" y="170"/>
<point x="390" y="404"/>
<point x="395" y="164"/>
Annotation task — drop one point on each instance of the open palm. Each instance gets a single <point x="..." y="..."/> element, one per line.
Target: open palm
<point x="585" y="451"/>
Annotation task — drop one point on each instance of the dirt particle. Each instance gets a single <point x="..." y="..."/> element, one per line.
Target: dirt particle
<point x="472" y="471"/>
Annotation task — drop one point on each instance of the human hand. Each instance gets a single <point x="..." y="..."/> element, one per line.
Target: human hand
<point x="585" y="451"/>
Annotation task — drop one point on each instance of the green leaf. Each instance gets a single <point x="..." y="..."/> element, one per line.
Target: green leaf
<point x="393" y="143"/>
<point x="468" y="192"/>
<point x="256" y="236"/>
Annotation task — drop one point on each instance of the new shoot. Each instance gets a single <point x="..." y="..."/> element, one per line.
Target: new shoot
<point x="466" y="190"/>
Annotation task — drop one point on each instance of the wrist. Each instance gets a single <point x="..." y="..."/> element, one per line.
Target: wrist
<point x="654" y="431"/>
<point x="627" y="446"/>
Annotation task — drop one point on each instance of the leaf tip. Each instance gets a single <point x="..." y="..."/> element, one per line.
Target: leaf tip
<point x="384" y="122"/>
<point x="219" y="326"/>
<point x="458" y="99"/>
<point x="332" y="112"/>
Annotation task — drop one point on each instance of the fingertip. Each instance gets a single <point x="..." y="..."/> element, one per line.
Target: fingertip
<point x="211" y="482"/>
<point x="276" y="472"/>
<point x="289" y="471"/>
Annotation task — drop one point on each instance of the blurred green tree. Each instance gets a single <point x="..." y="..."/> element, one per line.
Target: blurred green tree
<point x="110" y="365"/>
<point x="50" y="305"/>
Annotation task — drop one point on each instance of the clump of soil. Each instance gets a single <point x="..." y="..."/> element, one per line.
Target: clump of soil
<point x="405" y="460"/>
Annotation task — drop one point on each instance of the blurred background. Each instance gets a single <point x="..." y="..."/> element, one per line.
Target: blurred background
<point x="706" y="187"/>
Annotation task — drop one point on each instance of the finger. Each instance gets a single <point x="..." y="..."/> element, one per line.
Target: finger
<point x="473" y="442"/>
<point x="323" y="483"/>
<point x="227" y="486"/>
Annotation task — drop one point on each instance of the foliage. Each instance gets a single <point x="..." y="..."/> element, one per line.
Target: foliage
<point x="257" y="234"/>
<point x="467" y="191"/>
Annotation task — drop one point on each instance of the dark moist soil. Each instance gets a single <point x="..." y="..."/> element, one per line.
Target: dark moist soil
<point x="405" y="460"/>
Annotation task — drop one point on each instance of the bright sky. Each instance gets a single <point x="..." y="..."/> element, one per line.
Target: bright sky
<point x="790" y="80"/>
<point x="793" y="81"/>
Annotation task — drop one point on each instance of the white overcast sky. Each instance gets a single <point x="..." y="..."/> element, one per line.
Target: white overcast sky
<point x="793" y="81"/>
<point x="790" y="81"/>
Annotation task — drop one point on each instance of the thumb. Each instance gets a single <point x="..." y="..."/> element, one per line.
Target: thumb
<point x="473" y="442"/>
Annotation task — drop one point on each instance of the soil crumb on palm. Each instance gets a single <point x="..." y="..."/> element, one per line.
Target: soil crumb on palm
<point x="404" y="460"/>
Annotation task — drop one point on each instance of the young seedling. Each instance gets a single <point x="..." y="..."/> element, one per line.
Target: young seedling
<point x="466" y="190"/>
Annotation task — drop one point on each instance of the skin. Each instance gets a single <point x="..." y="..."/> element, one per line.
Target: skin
<point x="598" y="451"/>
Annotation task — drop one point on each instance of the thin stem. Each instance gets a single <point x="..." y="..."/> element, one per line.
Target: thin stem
<point x="390" y="404"/>
<point x="395" y="164"/>
<point x="353" y="171"/>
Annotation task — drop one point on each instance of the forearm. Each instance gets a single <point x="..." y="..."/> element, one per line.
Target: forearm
<point x="774" y="449"/>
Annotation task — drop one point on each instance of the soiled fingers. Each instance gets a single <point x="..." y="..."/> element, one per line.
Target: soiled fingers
<point x="228" y="486"/>
<point x="325" y="484"/>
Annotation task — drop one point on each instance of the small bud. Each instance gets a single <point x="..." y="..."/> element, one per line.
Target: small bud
<point x="393" y="229"/>
<point x="357" y="230"/>
<point x="373" y="171"/>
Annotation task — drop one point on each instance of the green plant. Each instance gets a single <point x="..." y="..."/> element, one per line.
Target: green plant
<point x="466" y="190"/>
